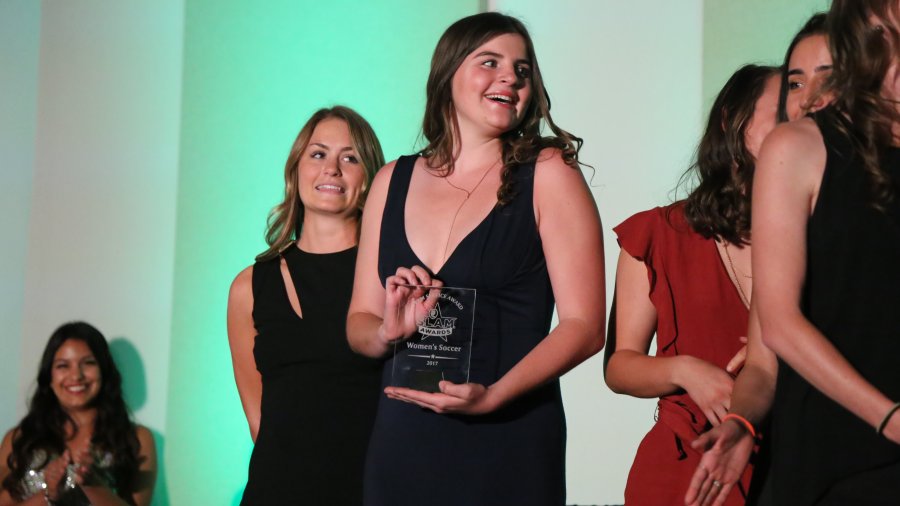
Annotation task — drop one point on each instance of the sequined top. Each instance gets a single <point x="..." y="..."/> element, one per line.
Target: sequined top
<point x="33" y="482"/>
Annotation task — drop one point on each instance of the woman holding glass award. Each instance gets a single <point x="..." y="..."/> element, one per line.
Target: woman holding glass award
<point x="492" y="207"/>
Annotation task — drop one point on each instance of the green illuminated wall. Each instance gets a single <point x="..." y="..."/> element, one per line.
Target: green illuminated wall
<point x="253" y="73"/>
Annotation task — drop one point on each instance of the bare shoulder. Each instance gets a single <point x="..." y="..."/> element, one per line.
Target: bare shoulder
<point x="552" y="172"/>
<point x="5" y="450"/>
<point x="797" y="145"/>
<point x="6" y="446"/>
<point x="382" y="178"/>
<point x="145" y="437"/>
<point x="242" y="288"/>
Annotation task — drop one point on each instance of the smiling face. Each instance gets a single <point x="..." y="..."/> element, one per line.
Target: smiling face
<point x="764" y="116"/>
<point x="808" y="68"/>
<point x="491" y="89"/>
<point x="331" y="177"/>
<point x="75" y="375"/>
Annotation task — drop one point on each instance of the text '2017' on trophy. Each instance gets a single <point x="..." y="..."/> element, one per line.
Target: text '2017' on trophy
<point x="440" y="348"/>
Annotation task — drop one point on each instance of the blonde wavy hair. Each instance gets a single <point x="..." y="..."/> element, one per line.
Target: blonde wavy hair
<point x="285" y="219"/>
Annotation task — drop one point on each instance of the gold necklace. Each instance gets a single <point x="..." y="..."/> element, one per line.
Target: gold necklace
<point x="470" y="192"/>
<point x="737" y="281"/>
<point x="458" y="209"/>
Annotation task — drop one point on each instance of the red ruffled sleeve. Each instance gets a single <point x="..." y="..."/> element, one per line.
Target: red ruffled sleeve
<point x="635" y="236"/>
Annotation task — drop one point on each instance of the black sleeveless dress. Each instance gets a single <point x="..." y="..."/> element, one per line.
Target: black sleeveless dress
<point x="821" y="453"/>
<point x="319" y="398"/>
<point x="515" y="456"/>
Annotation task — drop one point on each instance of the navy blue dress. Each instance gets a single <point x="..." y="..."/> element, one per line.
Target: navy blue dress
<point x="517" y="454"/>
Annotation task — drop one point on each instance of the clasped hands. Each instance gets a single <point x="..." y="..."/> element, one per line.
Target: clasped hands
<point x="67" y="471"/>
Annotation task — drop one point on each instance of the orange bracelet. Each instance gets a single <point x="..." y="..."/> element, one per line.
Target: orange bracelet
<point x="743" y="421"/>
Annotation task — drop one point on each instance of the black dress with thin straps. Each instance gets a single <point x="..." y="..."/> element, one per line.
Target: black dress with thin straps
<point x="514" y="456"/>
<point x="319" y="398"/>
<point x="822" y="454"/>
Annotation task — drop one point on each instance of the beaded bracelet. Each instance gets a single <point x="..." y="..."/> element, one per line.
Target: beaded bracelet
<point x="743" y="421"/>
<point x="886" y="419"/>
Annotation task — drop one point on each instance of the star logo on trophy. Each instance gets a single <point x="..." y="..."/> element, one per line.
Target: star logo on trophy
<point x="437" y="325"/>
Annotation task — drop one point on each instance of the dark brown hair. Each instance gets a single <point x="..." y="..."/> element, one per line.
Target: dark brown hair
<point x="719" y="205"/>
<point x="44" y="427"/>
<point x="286" y="218"/>
<point x="521" y="144"/>
<point x="862" y="54"/>
<point x="814" y="26"/>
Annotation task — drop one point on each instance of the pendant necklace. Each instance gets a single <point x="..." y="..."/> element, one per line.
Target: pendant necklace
<point x="458" y="209"/>
<point x="737" y="281"/>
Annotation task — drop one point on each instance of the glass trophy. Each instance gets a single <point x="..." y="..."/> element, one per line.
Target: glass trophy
<point x="440" y="347"/>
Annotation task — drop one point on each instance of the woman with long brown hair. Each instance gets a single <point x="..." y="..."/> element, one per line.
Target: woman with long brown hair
<point x="77" y="445"/>
<point x="493" y="205"/>
<point x="309" y="400"/>
<point x="826" y="231"/>
<point x="684" y="275"/>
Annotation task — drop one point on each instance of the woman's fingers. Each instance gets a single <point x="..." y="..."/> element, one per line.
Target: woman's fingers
<point x="723" y="490"/>
<point x="704" y="442"/>
<point x="452" y="398"/>
<point x="737" y="361"/>
<point x="421" y="275"/>
<point x="703" y="489"/>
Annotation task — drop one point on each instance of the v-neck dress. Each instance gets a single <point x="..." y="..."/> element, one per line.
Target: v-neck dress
<point x="699" y="313"/>
<point x="515" y="455"/>
<point x="318" y="397"/>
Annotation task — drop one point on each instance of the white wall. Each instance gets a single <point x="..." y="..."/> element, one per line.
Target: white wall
<point x="101" y="237"/>
<point x="626" y="77"/>
<point x="19" y="43"/>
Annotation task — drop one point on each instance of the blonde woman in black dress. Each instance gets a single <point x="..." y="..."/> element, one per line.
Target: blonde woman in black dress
<point x="308" y="399"/>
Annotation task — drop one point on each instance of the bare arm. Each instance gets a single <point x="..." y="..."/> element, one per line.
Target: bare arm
<point x="754" y="387"/>
<point x="241" y="334"/>
<point x="727" y="448"/>
<point x="366" y="313"/>
<point x="5" y="450"/>
<point x="147" y="468"/>
<point x="631" y="371"/>
<point x="572" y="236"/>
<point x="786" y="184"/>
<point x="6" y="498"/>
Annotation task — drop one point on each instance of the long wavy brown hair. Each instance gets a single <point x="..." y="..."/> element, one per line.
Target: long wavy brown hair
<point x="862" y="54"/>
<point x="521" y="144"/>
<point x="719" y="205"/>
<point x="44" y="430"/>
<point x="286" y="219"/>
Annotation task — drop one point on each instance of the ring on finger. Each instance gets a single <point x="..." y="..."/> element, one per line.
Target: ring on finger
<point x="717" y="483"/>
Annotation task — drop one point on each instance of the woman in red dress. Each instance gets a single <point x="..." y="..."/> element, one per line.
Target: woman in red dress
<point x="684" y="275"/>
